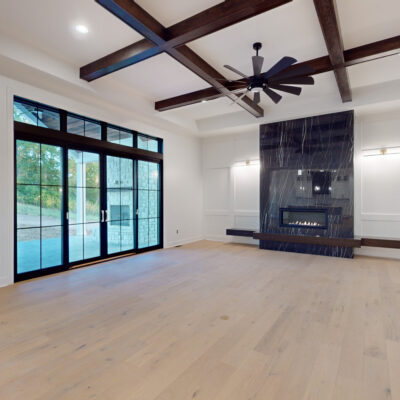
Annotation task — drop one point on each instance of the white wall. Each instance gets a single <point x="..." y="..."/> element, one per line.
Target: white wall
<point x="183" y="188"/>
<point x="377" y="180"/>
<point x="231" y="189"/>
<point x="231" y="194"/>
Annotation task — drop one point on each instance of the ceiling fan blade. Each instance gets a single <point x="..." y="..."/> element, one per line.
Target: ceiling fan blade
<point x="300" y="80"/>
<point x="275" y="97"/>
<point x="288" y="89"/>
<point x="257" y="97"/>
<point x="297" y="70"/>
<point x="237" y="90"/>
<point x="236" y="81"/>
<point x="239" y="98"/>
<point x="258" y="62"/>
<point x="282" y="64"/>
<point x="236" y="71"/>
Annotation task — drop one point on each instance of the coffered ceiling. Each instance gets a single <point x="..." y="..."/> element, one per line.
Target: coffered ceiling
<point x="292" y="29"/>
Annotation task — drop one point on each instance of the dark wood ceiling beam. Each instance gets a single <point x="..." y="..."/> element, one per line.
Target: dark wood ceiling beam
<point x="139" y="51"/>
<point x="218" y="17"/>
<point x="137" y="18"/>
<point x="363" y="53"/>
<point x="328" y="19"/>
<point x="320" y="65"/>
<point x="211" y="20"/>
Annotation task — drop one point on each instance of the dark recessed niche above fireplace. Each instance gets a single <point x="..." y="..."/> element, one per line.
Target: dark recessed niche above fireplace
<point x="303" y="218"/>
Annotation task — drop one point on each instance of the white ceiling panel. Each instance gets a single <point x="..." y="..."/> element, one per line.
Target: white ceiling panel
<point x="211" y="108"/>
<point x="160" y="77"/>
<point x="367" y="21"/>
<point x="373" y="72"/>
<point x="169" y="12"/>
<point x="50" y="26"/>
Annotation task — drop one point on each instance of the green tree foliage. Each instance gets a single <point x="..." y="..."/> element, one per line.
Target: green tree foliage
<point x="42" y="165"/>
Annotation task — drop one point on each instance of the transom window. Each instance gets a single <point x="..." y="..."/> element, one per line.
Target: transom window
<point x="44" y="116"/>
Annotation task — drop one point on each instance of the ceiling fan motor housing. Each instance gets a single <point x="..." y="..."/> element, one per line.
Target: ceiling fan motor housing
<point x="256" y="85"/>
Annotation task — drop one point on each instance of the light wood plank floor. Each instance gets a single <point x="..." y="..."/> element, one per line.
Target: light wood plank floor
<point x="206" y="321"/>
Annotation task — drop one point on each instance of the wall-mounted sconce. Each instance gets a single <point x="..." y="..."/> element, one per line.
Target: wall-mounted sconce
<point x="382" y="151"/>
<point x="247" y="163"/>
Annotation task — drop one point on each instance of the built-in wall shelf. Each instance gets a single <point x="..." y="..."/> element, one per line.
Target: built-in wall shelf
<point x="241" y="232"/>
<point x="356" y="242"/>
<point x="381" y="242"/>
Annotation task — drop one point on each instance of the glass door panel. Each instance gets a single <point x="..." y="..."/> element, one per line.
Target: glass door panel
<point x="120" y="213"/>
<point x="39" y="200"/>
<point x="84" y="205"/>
<point x="148" y="204"/>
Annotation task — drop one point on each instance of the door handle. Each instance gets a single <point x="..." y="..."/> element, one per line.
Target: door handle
<point x="106" y="216"/>
<point x="102" y="215"/>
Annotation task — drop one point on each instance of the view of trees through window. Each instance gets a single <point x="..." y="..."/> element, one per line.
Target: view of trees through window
<point x="39" y="205"/>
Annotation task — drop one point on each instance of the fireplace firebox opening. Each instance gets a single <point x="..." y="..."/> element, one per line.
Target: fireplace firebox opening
<point x="303" y="218"/>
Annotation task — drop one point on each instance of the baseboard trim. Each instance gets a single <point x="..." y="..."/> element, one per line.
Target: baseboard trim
<point x="378" y="252"/>
<point x="6" y="281"/>
<point x="183" y="241"/>
<point x="219" y="238"/>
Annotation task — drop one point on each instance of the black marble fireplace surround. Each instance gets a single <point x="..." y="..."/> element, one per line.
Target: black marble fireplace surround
<point x="307" y="181"/>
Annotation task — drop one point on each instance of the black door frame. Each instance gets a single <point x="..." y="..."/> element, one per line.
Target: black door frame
<point x="70" y="141"/>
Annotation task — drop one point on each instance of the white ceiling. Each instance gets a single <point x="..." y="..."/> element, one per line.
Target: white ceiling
<point x="49" y="25"/>
<point x="377" y="71"/>
<point x="160" y="77"/>
<point x="292" y="29"/>
<point x="366" y="21"/>
<point x="169" y="12"/>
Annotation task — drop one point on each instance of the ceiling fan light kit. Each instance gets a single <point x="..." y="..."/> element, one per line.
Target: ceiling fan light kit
<point x="276" y="77"/>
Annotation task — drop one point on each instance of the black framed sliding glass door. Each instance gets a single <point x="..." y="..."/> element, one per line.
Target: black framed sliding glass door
<point x="75" y="206"/>
<point x="84" y="212"/>
<point x="149" y="193"/>
<point x="39" y="206"/>
<point x="121" y="205"/>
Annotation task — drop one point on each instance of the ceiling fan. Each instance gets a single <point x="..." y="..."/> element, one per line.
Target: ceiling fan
<point x="275" y="78"/>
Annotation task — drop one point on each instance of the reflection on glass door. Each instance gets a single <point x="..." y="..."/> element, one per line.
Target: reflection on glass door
<point x="39" y="196"/>
<point x="121" y="208"/>
<point x="83" y="205"/>
<point x="148" y="204"/>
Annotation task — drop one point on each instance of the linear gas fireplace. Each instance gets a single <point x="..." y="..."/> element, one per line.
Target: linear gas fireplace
<point x="303" y="217"/>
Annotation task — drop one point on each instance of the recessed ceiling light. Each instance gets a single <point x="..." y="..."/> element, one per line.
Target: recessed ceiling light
<point x="82" y="29"/>
<point x="204" y="101"/>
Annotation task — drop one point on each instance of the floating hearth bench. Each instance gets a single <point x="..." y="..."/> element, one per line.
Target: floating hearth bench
<point x="355" y="242"/>
<point x="241" y="232"/>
